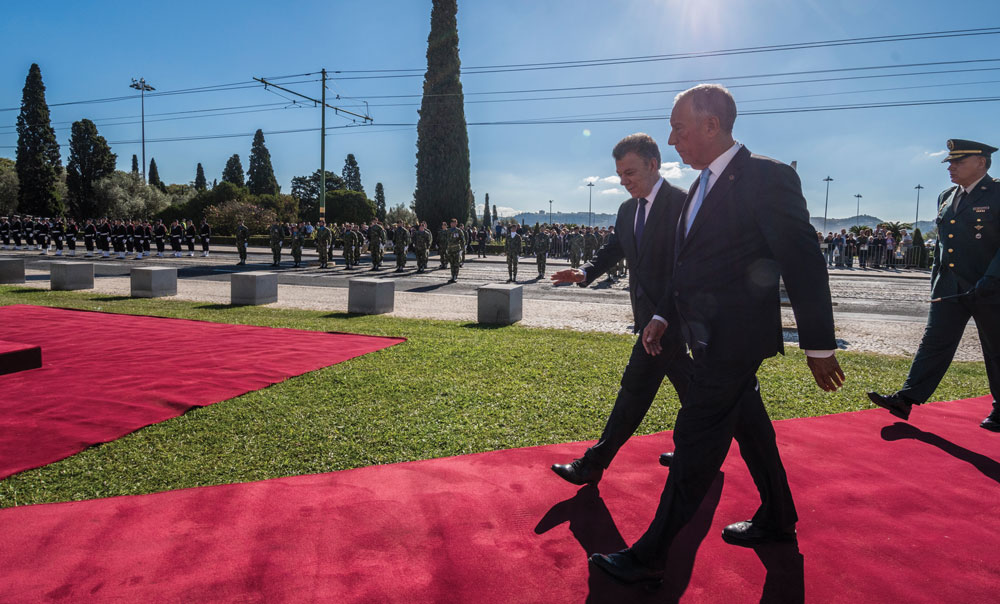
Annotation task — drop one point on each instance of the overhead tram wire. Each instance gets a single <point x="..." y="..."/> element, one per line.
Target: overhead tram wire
<point x="415" y="72"/>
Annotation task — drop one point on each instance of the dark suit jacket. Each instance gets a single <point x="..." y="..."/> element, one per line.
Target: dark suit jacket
<point x="752" y="227"/>
<point x="968" y="245"/>
<point x="648" y="268"/>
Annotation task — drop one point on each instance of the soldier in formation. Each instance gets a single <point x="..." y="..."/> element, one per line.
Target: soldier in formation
<point x="298" y="240"/>
<point x="512" y="245"/>
<point x="276" y="232"/>
<point x="541" y="244"/>
<point x="349" y="241"/>
<point x="422" y="242"/>
<point x="400" y="240"/>
<point x="206" y="237"/>
<point x="376" y="243"/>
<point x="442" y="244"/>
<point x="455" y="243"/>
<point x="323" y="237"/>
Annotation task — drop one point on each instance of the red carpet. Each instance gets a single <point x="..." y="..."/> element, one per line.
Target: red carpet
<point x="891" y="512"/>
<point x="106" y="375"/>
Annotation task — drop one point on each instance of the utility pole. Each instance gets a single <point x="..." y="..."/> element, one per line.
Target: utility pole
<point x="859" y="208"/>
<point x="322" y="136"/>
<point x="826" y="205"/>
<point x="590" y="205"/>
<point x="142" y="87"/>
<point x="917" y="217"/>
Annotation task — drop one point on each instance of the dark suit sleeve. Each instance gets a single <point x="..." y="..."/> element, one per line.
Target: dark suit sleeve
<point x="781" y="215"/>
<point x="607" y="256"/>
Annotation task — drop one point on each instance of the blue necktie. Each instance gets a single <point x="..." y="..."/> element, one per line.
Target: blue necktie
<point x="640" y="222"/>
<point x="699" y="198"/>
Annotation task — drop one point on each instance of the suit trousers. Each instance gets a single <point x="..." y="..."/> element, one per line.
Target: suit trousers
<point x="723" y="402"/>
<point x="945" y="325"/>
<point x="640" y="383"/>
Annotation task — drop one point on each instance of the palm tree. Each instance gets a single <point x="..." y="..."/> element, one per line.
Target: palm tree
<point x="896" y="227"/>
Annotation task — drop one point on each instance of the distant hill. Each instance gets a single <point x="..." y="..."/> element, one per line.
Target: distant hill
<point x="579" y="218"/>
<point x="836" y="224"/>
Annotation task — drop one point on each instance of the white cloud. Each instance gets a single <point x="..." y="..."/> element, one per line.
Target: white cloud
<point x="590" y="179"/>
<point x="611" y="180"/>
<point x="941" y="153"/>
<point x="505" y="211"/>
<point x="615" y="191"/>
<point x="674" y="171"/>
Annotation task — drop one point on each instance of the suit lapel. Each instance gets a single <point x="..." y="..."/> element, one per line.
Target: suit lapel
<point x="719" y="191"/>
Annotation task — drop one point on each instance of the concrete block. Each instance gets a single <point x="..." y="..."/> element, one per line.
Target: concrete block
<point x="153" y="281"/>
<point x="370" y="296"/>
<point x="499" y="304"/>
<point x="71" y="275"/>
<point x="11" y="270"/>
<point x="255" y="287"/>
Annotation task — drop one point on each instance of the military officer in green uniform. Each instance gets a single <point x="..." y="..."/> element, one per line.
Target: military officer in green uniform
<point x="276" y="232"/>
<point x="400" y="241"/>
<point x="422" y="241"/>
<point x="376" y="241"/>
<point x="242" y="240"/>
<point x="323" y="238"/>
<point x="348" y="247"/>
<point x="590" y="244"/>
<point x="442" y="244"/>
<point x="512" y="247"/>
<point x="575" y="241"/>
<point x="454" y="242"/>
<point x="359" y="242"/>
<point x="298" y="240"/>
<point x="965" y="281"/>
<point x="541" y="243"/>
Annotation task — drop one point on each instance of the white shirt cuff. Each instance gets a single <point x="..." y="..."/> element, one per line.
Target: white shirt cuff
<point x="820" y="354"/>
<point x="660" y="319"/>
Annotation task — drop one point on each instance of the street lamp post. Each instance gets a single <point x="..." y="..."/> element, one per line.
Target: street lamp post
<point x="550" y="212"/>
<point x="826" y="205"/>
<point x="142" y="87"/>
<point x="590" y="205"/>
<point x="917" y="216"/>
<point x="859" y="209"/>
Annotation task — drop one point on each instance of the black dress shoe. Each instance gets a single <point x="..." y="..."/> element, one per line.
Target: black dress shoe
<point x="666" y="459"/>
<point x="992" y="421"/>
<point x="580" y="471"/>
<point x="748" y="534"/>
<point x="896" y="404"/>
<point x="626" y="568"/>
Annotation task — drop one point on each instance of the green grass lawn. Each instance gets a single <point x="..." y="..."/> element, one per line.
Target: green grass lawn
<point x="451" y="389"/>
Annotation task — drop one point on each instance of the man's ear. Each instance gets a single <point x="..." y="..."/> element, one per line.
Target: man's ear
<point x="712" y="127"/>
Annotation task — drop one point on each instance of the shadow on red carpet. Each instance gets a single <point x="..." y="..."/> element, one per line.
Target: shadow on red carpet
<point x="890" y="512"/>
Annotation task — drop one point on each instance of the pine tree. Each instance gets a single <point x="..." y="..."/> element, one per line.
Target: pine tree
<point x="135" y="164"/>
<point x="200" y="184"/>
<point x="495" y="215"/>
<point x="352" y="174"/>
<point x="153" y="177"/>
<point x="487" y="219"/>
<point x="260" y="176"/>
<point x="472" y="208"/>
<point x="442" y="190"/>
<point x="379" y="201"/>
<point x="233" y="172"/>
<point x="38" y="166"/>
<point x="90" y="159"/>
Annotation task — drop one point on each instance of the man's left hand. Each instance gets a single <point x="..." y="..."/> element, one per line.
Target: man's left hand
<point x="827" y="372"/>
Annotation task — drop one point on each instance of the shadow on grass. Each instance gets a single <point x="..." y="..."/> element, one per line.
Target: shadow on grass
<point x="483" y="326"/>
<point x="25" y="290"/>
<point x="111" y="299"/>
<point x="344" y="315"/>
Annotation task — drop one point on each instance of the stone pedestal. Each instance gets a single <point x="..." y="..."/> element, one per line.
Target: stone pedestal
<point x="11" y="270"/>
<point x="370" y="296"/>
<point x="153" y="281"/>
<point x="71" y="275"/>
<point x="499" y="304"/>
<point x="256" y="287"/>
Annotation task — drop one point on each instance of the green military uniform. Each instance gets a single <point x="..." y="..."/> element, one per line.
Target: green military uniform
<point x="376" y="241"/>
<point x="512" y="247"/>
<point x="400" y="240"/>
<point x="465" y="244"/>
<point x="242" y="240"/>
<point x="542" y="243"/>
<point x="298" y="240"/>
<point x="349" y="238"/>
<point x="359" y="242"/>
<point x="276" y="233"/>
<point x="966" y="279"/>
<point x="422" y="241"/>
<point x="442" y="244"/>
<point x="575" y="241"/>
<point x="590" y="244"/>
<point x="455" y="242"/>
<point x="323" y="238"/>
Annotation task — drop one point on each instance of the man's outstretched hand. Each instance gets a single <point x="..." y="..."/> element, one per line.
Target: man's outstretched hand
<point x="569" y="275"/>
<point x="651" y="336"/>
<point x="827" y="372"/>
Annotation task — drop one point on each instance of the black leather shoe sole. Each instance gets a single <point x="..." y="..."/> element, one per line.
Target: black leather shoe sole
<point x="991" y="425"/>
<point x="666" y="459"/>
<point x="754" y="536"/>
<point x="570" y="475"/>
<point x="629" y="576"/>
<point x="889" y="403"/>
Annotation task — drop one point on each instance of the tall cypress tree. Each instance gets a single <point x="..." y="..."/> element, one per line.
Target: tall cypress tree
<point x="233" y="172"/>
<point x="487" y="219"/>
<point x="472" y="209"/>
<point x="379" y="201"/>
<point x="200" y="184"/>
<point x="37" y="164"/>
<point x="495" y="215"/>
<point x="135" y="164"/>
<point x="260" y="176"/>
<point x="90" y="159"/>
<point x="153" y="177"/>
<point x="352" y="174"/>
<point x="443" y="187"/>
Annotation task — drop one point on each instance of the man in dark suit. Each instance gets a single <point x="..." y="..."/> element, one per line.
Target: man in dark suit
<point x="743" y="224"/>
<point x="965" y="281"/>
<point x="644" y="236"/>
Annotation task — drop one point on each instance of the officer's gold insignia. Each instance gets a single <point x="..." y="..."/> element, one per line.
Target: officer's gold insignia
<point x="980" y="209"/>
<point x="978" y="227"/>
<point x="979" y="235"/>
<point x="951" y="145"/>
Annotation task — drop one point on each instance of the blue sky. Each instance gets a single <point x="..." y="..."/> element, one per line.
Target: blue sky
<point x="91" y="50"/>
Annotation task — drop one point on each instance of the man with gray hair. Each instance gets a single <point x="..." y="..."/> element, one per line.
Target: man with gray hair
<point x="744" y="224"/>
<point x="644" y="235"/>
